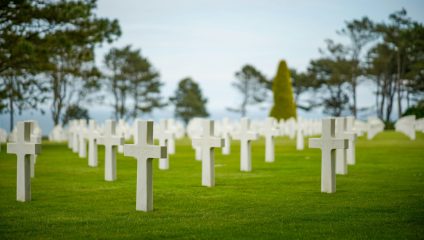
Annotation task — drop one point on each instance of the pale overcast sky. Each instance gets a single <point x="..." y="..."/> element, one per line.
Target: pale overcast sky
<point x="211" y="40"/>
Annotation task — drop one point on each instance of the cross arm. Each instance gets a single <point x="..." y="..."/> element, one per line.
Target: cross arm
<point x="339" y="143"/>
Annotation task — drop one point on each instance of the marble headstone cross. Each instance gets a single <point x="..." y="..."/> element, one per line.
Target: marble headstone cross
<point x="245" y="136"/>
<point x="164" y="137"/>
<point x="208" y="142"/>
<point x="269" y="131"/>
<point x="226" y="129"/>
<point x="299" y="136"/>
<point x="341" y="159"/>
<point x="92" y="135"/>
<point x="75" y="131"/>
<point x="37" y="140"/>
<point x="82" y="153"/>
<point x="144" y="151"/>
<point x="328" y="143"/>
<point x="23" y="148"/>
<point x="111" y="141"/>
<point x="351" y="158"/>
<point x="172" y="128"/>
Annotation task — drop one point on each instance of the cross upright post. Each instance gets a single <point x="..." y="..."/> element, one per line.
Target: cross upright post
<point x="92" y="137"/>
<point x="328" y="143"/>
<point x="341" y="154"/>
<point x="110" y="140"/>
<point x="270" y="131"/>
<point x="144" y="151"/>
<point x="23" y="148"/>
<point x="351" y="158"/>
<point x="245" y="135"/>
<point x="208" y="142"/>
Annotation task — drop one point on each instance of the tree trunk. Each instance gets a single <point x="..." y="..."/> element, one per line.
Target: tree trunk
<point x="377" y="93"/>
<point x="398" y="87"/>
<point x="12" y="110"/>
<point x="353" y="80"/>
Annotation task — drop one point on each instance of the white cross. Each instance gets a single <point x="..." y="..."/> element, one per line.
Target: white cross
<point x="341" y="160"/>
<point x="92" y="135"/>
<point x="245" y="136"/>
<point x="269" y="131"/>
<point x="172" y="128"/>
<point x="23" y="148"/>
<point x="82" y="153"/>
<point x="299" y="137"/>
<point x="351" y="158"/>
<point x="208" y="142"/>
<point x="144" y="151"/>
<point x="70" y="134"/>
<point x="110" y="140"/>
<point x="164" y="137"/>
<point x="226" y="130"/>
<point x="75" y="144"/>
<point x="328" y="143"/>
<point x="37" y="140"/>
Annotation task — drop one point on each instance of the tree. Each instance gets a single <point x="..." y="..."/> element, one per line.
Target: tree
<point x="189" y="101"/>
<point x="74" y="75"/>
<point x="382" y="69"/>
<point x="360" y="33"/>
<point x="19" y="92"/>
<point x="395" y="35"/>
<point x="252" y="85"/>
<point x="284" y="105"/>
<point x="332" y="77"/>
<point x="131" y="78"/>
<point x="53" y="41"/>
<point x="75" y="112"/>
<point x="417" y="110"/>
<point x="395" y="63"/>
<point x="303" y="83"/>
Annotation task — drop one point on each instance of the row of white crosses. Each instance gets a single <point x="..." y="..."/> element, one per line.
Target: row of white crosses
<point x="144" y="151"/>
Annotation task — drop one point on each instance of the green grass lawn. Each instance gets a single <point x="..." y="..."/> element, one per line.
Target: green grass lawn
<point x="381" y="197"/>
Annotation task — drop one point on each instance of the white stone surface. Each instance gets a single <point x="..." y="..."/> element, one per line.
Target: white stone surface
<point x="111" y="141"/>
<point x="374" y="126"/>
<point x="23" y="148"/>
<point x="270" y="131"/>
<point x="92" y="136"/>
<point x="164" y="136"/>
<point x="58" y="134"/>
<point x="194" y="130"/>
<point x="225" y="132"/>
<point x="300" y="145"/>
<point x="207" y="143"/>
<point x="328" y="143"/>
<point x="406" y="125"/>
<point x="144" y="151"/>
<point x="351" y="150"/>
<point x="245" y="135"/>
<point x="36" y="136"/>
<point x="82" y="150"/>
<point x="341" y="154"/>
<point x="75" y="138"/>
<point x="419" y="125"/>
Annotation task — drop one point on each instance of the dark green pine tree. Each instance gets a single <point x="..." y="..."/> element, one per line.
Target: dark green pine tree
<point x="284" y="104"/>
<point x="188" y="101"/>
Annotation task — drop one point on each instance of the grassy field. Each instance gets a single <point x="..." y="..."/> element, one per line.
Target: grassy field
<point x="382" y="197"/>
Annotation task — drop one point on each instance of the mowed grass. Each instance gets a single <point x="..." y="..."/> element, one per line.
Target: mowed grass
<point x="382" y="197"/>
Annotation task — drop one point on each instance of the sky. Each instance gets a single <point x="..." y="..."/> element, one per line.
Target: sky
<point x="211" y="40"/>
